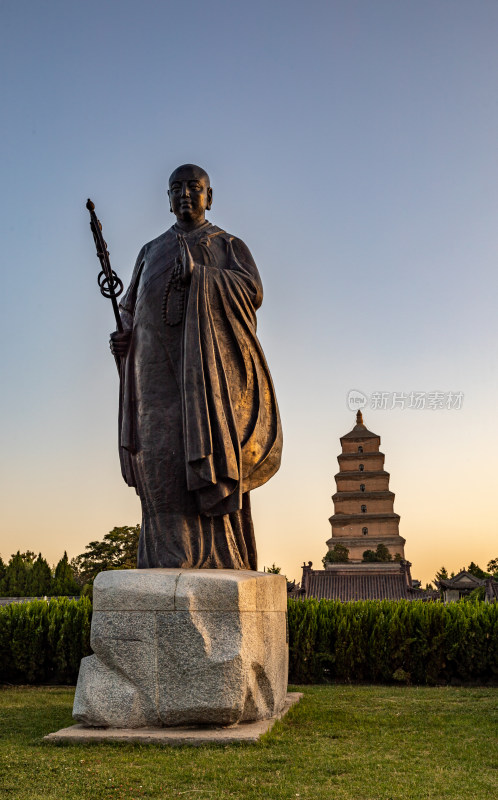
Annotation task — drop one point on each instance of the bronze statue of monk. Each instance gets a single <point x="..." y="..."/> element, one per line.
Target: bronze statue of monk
<point x="199" y="422"/>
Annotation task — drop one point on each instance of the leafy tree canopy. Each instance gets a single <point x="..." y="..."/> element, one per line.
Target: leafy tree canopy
<point x="477" y="594"/>
<point x="338" y="555"/>
<point x="64" y="582"/>
<point x="441" y="575"/>
<point x="380" y="555"/>
<point x="273" y="570"/>
<point x="117" y="550"/>
<point x="28" y="557"/>
<point x="493" y="567"/>
<point x="28" y="575"/>
<point x="475" y="570"/>
<point x="15" y="579"/>
<point x="39" y="583"/>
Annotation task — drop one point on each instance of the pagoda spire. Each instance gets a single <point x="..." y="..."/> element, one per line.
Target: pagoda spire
<point x="359" y="417"/>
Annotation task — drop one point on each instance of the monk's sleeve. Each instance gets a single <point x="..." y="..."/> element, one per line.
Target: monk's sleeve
<point x="127" y="404"/>
<point x="127" y="302"/>
<point x="233" y="436"/>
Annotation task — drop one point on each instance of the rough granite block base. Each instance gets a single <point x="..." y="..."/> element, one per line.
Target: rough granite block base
<point x="179" y="647"/>
<point x="242" y="732"/>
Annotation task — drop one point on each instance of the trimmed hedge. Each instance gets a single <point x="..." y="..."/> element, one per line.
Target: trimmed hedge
<point x="382" y="641"/>
<point x="375" y="641"/>
<point x="44" y="641"/>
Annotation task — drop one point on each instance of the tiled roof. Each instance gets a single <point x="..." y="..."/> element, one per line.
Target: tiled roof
<point x="464" y="580"/>
<point x="321" y="584"/>
<point x="360" y="432"/>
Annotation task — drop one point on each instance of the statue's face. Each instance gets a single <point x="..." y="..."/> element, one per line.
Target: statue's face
<point x="189" y="194"/>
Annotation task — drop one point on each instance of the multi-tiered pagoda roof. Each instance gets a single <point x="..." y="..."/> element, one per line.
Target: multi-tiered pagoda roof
<point x="363" y="519"/>
<point x="364" y="514"/>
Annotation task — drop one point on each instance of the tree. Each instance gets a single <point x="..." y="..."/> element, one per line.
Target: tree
<point x="338" y="555"/>
<point x="493" y="567"/>
<point x="273" y="570"/>
<point x="39" y="581"/>
<point x="397" y="557"/>
<point x="441" y="575"/>
<point x="380" y="555"/>
<point x="3" y="570"/>
<point x="476" y="571"/>
<point x="118" y="550"/>
<point x="28" y="557"/>
<point x="479" y="593"/>
<point x="383" y="553"/>
<point x="64" y="582"/>
<point x="16" y="577"/>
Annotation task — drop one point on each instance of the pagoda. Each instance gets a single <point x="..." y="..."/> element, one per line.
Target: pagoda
<point x="364" y="514"/>
<point x="367" y="554"/>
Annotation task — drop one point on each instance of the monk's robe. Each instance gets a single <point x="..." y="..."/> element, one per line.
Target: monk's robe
<point x="199" y="421"/>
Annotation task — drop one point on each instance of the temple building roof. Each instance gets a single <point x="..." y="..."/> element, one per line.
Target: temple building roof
<point x="464" y="580"/>
<point x="464" y="583"/>
<point x="372" y="582"/>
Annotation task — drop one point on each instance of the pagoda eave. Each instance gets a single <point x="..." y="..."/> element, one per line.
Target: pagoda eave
<point x="352" y="541"/>
<point x="357" y="474"/>
<point x="375" y="495"/>
<point x="345" y="519"/>
<point x="362" y="456"/>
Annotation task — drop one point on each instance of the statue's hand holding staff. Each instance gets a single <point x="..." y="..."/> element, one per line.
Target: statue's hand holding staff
<point x="110" y="286"/>
<point x="119" y="343"/>
<point x="186" y="259"/>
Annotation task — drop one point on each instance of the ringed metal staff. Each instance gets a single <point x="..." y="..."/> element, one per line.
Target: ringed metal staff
<point x="110" y="285"/>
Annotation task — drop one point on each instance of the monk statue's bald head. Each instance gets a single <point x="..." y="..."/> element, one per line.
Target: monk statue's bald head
<point x="190" y="195"/>
<point x="189" y="170"/>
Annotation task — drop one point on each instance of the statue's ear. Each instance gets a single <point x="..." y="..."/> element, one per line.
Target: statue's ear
<point x="209" y="198"/>
<point x="169" y="198"/>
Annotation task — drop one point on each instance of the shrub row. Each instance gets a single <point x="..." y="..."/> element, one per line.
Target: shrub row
<point x="382" y="641"/>
<point x="375" y="641"/>
<point x="44" y="641"/>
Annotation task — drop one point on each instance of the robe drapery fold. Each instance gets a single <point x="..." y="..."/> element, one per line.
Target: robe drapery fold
<point x="232" y="432"/>
<point x="199" y="421"/>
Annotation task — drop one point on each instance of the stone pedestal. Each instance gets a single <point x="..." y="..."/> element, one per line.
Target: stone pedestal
<point x="184" y="647"/>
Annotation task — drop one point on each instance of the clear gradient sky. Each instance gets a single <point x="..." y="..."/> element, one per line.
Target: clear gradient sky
<point x="353" y="146"/>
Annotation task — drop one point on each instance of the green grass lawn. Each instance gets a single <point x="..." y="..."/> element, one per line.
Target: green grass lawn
<point x="338" y="743"/>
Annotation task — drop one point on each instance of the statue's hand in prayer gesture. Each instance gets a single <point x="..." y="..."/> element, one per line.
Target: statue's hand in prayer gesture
<point x="186" y="259"/>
